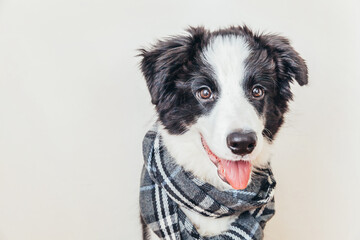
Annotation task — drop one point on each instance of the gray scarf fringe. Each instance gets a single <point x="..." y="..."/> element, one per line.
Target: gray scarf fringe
<point x="165" y="186"/>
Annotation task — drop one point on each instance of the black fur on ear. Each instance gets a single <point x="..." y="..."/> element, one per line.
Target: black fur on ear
<point x="168" y="59"/>
<point x="289" y="64"/>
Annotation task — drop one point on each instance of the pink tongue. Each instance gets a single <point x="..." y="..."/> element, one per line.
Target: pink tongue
<point x="237" y="173"/>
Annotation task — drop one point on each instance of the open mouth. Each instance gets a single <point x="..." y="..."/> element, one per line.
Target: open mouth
<point x="235" y="173"/>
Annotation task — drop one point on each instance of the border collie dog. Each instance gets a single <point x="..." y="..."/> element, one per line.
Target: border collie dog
<point x="220" y="98"/>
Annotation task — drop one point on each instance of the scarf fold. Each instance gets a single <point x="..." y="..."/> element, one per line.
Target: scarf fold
<point x="166" y="186"/>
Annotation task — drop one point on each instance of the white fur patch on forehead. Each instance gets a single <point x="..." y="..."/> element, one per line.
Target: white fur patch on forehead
<point x="227" y="55"/>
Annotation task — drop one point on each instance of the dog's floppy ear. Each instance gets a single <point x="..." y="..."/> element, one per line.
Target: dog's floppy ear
<point x="164" y="62"/>
<point x="288" y="62"/>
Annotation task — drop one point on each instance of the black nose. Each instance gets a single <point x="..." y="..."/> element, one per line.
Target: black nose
<point x="241" y="142"/>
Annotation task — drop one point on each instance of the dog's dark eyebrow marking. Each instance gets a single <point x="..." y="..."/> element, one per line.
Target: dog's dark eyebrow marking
<point x="198" y="81"/>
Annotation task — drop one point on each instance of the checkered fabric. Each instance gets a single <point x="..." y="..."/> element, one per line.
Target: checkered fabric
<point x="166" y="186"/>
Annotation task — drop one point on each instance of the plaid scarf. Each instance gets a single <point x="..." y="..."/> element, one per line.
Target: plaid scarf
<point x="165" y="186"/>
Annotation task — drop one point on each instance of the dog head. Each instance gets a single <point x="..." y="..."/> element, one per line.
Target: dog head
<point x="230" y="87"/>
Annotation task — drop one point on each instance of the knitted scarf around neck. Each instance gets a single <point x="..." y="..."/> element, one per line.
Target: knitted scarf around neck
<point x="165" y="186"/>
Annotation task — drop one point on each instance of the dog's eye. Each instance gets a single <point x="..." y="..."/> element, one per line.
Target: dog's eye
<point x="204" y="93"/>
<point x="258" y="92"/>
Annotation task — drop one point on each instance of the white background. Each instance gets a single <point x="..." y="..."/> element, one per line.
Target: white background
<point x="74" y="108"/>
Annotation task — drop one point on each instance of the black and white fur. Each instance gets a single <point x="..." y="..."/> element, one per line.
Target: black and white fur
<point x="230" y="62"/>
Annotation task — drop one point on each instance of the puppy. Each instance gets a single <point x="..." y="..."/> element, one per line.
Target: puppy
<point x="220" y="99"/>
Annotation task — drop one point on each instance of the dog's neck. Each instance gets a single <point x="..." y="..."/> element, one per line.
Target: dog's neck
<point x="189" y="153"/>
<point x="187" y="150"/>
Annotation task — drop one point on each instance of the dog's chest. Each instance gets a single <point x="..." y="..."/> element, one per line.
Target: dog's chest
<point x="207" y="226"/>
